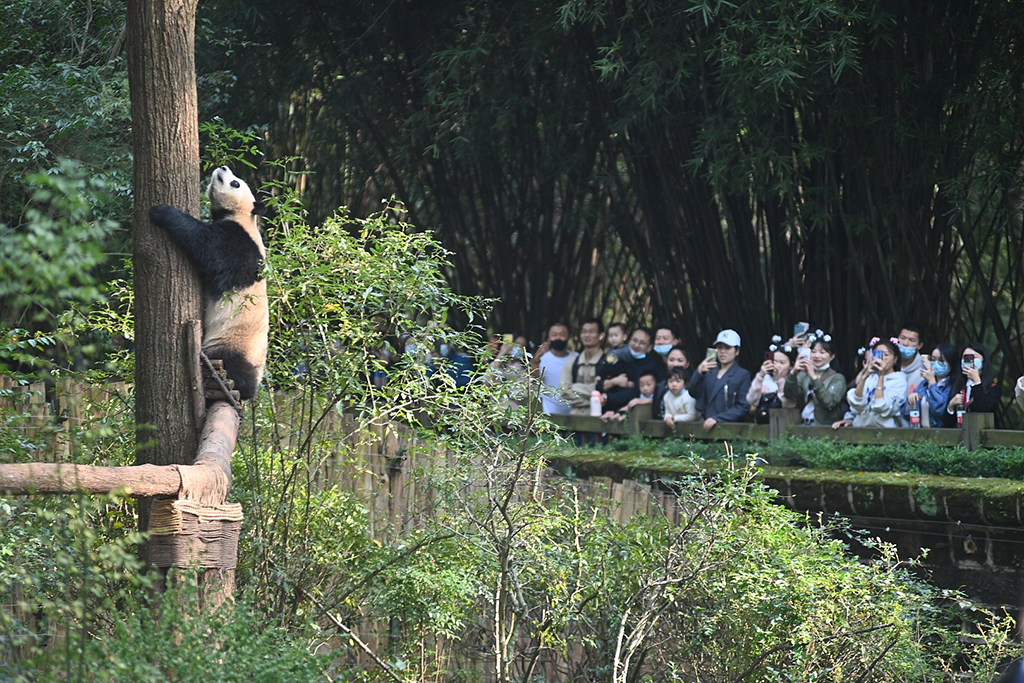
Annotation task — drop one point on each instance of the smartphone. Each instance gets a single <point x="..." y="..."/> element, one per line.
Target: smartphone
<point x="969" y="361"/>
<point x="803" y="352"/>
<point x="801" y="328"/>
<point x="877" y="353"/>
<point x="768" y="355"/>
<point x="710" y="352"/>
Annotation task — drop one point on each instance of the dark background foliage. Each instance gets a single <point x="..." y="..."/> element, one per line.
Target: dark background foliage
<point x="715" y="164"/>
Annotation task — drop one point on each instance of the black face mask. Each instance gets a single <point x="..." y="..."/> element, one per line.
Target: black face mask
<point x="558" y="344"/>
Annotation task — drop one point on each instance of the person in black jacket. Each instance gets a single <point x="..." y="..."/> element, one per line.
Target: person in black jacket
<point x="720" y="386"/>
<point x="618" y="378"/>
<point x="974" y="390"/>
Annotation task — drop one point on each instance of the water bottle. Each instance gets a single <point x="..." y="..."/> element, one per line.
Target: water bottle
<point x="595" y="403"/>
<point x="915" y="417"/>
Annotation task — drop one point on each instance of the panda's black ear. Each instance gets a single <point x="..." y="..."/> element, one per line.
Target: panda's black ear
<point x="259" y="208"/>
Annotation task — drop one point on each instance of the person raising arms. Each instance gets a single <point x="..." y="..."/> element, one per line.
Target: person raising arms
<point x="877" y="397"/>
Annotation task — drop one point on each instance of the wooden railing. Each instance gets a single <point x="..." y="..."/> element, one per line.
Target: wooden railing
<point x="978" y="430"/>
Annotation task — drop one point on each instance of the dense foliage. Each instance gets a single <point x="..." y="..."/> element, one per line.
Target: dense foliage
<point x="492" y="568"/>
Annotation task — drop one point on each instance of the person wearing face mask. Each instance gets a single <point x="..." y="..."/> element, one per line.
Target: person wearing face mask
<point x="877" y="398"/>
<point x="665" y="337"/>
<point x="617" y="379"/>
<point x="547" y="364"/>
<point x="814" y="379"/>
<point x="720" y="385"/>
<point x="909" y="344"/>
<point x="932" y="395"/>
<point x="973" y="389"/>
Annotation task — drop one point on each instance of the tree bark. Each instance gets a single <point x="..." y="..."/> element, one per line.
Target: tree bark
<point x="165" y="142"/>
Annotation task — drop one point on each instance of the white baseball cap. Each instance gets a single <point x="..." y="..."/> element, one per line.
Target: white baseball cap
<point x="728" y="337"/>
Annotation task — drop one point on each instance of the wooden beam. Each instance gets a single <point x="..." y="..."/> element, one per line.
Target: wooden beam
<point x="208" y="481"/>
<point x="47" y="477"/>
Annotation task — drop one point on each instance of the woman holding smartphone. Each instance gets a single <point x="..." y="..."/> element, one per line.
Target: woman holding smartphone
<point x="771" y="378"/>
<point x="973" y="390"/>
<point x="936" y="383"/>
<point x="813" y="378"/>
<point x="877" y="398"/>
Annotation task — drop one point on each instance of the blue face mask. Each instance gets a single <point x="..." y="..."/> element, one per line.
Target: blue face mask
<point x="636" y="355"/>
<point x="444" y="349"/>
<point x="940" y="368"/>
<point x="907" y="351"/>
<point x="663" y="349"/>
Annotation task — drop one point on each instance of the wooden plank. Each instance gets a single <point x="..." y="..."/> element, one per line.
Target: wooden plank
<point x="994" y="438"/>
<point x="587" y="424"/>
<point x="878" y="437"/>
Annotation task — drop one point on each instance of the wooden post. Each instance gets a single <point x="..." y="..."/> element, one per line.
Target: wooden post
<point x="194" y="330"/>
<point x="780" y="420"/>
<point x="636" y="417"/>
<point x="974" y="425"/>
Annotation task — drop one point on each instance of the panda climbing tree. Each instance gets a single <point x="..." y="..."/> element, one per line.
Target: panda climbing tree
<point x="229" y="254"/>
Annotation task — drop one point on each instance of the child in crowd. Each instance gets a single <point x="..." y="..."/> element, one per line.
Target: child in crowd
<point x="677" y="404"/>
<point x="877" y="398"/>
<point x="973" y="390"/>
<point x="815" y="380"/>
<point x="677" y="358"/>
<point x="932" y="396"/>
<point x="645" y="394"/>
<point x="617" y="336"/>
<point x="769" y="382"/>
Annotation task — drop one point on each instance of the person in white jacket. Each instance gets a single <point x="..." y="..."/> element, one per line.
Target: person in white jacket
<point x="877" y="399"/>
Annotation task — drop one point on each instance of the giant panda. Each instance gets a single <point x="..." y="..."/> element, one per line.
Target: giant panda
<point x="229" y="255"/>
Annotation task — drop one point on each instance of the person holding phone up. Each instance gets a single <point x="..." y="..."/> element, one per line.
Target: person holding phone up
<point x="877" y="397"/>
<point x="933" y="392"/>
<point x="720" y="386"/>
<point x="973" y="389"/>
<point x="814" y="379"/>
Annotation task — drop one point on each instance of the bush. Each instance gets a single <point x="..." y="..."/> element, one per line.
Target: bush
<point x="923" y="458"/>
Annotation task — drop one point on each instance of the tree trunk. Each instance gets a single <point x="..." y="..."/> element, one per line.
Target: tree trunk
<point x="165" y="142"/>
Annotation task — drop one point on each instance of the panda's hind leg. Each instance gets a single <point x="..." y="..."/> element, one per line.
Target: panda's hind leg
<point x="215" y="381"/>
<point x="243" y="375"/>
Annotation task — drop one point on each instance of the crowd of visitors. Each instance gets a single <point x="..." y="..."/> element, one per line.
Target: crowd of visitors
<point x="899" y="383"/>
<point x="608" y="371"/>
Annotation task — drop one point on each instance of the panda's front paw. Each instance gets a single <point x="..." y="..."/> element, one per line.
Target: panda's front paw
<point x="162" y="214"/>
